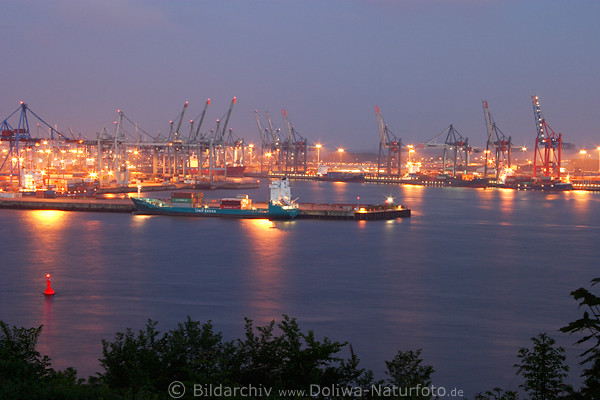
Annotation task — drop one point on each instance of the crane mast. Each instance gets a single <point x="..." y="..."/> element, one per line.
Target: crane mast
<point x="197" y="134"/>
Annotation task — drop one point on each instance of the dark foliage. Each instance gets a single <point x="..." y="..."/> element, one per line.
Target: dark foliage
<point x="543" y="368"/>
<point x="588" y="326"/>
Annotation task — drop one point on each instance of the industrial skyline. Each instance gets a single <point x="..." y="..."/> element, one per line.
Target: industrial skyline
<point x="426" y="64"/>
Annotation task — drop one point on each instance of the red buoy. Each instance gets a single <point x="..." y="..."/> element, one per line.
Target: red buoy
<point x="49" y="291"/>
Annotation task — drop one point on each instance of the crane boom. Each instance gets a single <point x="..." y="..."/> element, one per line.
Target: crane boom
<point x="228" y="115"/>
<point x="288" y="127"/>
<point x="180" y="120"/>
<point x="488" y="124"/>
<point x="381" y="127"/>
<point x="274" y="135"/>
<point x="260" y="129"/>
<point x="537" y="114"/>
<point x="201" y="120"/>
<point x="548" y="145"/>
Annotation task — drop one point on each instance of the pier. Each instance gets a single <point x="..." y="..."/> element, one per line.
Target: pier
<point x="352" y="212"/>
<point x="68" y="204"/>
<point x="307" y="211"/>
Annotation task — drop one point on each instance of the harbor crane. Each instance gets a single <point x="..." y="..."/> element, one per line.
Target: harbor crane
<point x="456" y="143"/>
<point x="219" y="135"/>
<point x="389" y="148"/>
<point x="176" y="152"/>
<point x="460" y="145"/>
<point x="174" y="134"/>
<point x="275" y="143"/>
<point x="548" y="146"/>
<point x="295" y="148"/>
<point x="20" y="140"/>
<point x="117" y="150"/>
<point x="501" y="144"/>
<point x="269" y="141"/>
<point x="197" y="139"/>
<point x="176" y="143"/>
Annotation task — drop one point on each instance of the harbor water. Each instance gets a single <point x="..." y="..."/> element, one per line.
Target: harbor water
<point x="470" y="278"/>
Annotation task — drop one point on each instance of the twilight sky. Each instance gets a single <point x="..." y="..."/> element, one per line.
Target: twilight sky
<point x="426" y="63"/>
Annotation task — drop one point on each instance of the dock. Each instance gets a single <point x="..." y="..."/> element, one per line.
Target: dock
<point x="352" y="212"/>
<point x="68" y="204"/>
<point x="307" y="210"/>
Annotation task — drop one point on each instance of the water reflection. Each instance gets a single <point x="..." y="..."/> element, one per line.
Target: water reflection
<point x="411" y="196"/>
<point x="48" y="333"/>
<point x="267" y="250"/>
<point x="582" y="201"/>
<point x="45" y="238"/>
<point x="47" y="218"/>
<point x="138" y="221"/>
<point x="507" y="201"/>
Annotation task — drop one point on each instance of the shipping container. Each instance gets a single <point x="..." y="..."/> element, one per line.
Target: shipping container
<point x="240" y="202"/>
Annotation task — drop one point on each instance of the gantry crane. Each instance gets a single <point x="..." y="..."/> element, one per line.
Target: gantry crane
<point x="457" y="143"/>
<point x="294" y="148"/>
<point x="275" y="144"/>
<point x="176" y="143"/>
<point x="217" y="146"/>
<point x="196" y="140"/>
<point x="389" y="148"/>
<point x="501" y="144"/>
<point x="20" y="141"/>
<point x="548" y="145"/>
<point x="271" y="144"/>
<point x="265" y="142"/>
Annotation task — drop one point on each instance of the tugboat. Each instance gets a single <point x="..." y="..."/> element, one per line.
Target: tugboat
<point x="280" y="205"/>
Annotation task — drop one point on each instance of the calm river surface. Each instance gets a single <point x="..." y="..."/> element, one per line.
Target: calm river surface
<point x="470" y="278"/>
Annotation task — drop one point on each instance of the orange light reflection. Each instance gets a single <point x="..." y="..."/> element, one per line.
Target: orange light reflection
<point x="268" y="243"/>
<point x="507" y="200"/>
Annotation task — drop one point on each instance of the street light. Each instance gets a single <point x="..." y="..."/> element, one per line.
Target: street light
<point x="341" y="151"/>
<point x="318" y="146"/>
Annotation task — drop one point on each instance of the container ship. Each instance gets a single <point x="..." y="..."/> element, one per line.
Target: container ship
<point x="280" y="205"/>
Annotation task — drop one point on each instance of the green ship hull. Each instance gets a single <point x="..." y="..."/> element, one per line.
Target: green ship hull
<point x="158" y="207"/>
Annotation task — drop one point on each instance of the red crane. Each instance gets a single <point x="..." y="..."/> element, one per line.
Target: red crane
<point x="548" y="145"/>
